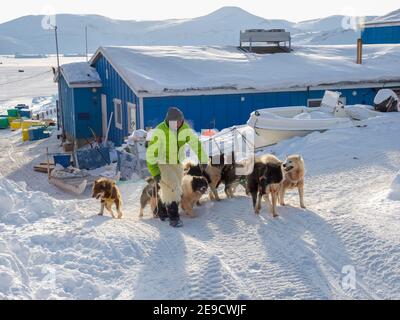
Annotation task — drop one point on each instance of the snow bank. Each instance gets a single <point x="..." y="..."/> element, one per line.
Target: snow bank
<point x="361" y="112"/>
<point x="158" y="70"/>
<point x="346" y="144"/>
<point x="49" y="250"/>
<point x="20" y="207"/>
<point x="395" y="188"/>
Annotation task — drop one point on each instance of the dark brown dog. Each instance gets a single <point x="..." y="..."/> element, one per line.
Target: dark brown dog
<point x="265" y="181"/>
<point x="108" y="192"/>
<point x="230" y="179"/>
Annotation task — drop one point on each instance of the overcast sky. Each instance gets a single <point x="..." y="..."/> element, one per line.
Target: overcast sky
<point x="165" y="9"/>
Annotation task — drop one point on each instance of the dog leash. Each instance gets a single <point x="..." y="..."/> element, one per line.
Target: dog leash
<point x="245" y="139"/>
<point x="156" y="196"/>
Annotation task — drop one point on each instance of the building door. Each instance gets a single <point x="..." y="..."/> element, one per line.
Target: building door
<point x="132" y="124"/>
<point x="104" y="117"/>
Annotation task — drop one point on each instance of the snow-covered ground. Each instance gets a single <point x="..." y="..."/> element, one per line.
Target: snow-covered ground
<point x="346" y="243"/>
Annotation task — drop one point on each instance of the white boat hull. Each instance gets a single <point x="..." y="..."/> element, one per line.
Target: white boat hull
<point x="268" y="137"/>
<point x="75" y="186"/>
<point x="277" y="124"/>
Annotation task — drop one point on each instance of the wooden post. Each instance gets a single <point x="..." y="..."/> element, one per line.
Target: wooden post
<point x="48" y="163"/>
<point x="108" y="128"/>
<point x="359" y="51"/>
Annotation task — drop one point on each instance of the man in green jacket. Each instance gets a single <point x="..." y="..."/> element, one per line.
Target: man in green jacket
<point x="165" y="153"/>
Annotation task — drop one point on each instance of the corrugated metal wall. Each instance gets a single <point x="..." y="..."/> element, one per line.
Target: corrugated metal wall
<point x="114" y="87"/>
<point x="87" y="112"/>
<point x="381" y="35"/>
<point x="68" y="109"/>
<point x="81" y="110"/>
<point x="222" y="111"/>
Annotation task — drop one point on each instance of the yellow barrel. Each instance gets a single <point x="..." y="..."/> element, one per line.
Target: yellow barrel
<point x="38" y="123"/>
<point x="11" y="119"/>
<point x="15" y="125"/>
<point x="25" y="135"/>
<point x="31" y="123"/>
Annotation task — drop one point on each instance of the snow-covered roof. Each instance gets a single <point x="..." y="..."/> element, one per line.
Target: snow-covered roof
<point x="167" y="70"/>
<point x="80" y="74"/>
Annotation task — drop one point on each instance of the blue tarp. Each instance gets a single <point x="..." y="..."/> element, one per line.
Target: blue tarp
<point x="91" y="159"/>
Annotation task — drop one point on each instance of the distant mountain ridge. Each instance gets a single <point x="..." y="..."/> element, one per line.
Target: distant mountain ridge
<point x="221" y="27"/>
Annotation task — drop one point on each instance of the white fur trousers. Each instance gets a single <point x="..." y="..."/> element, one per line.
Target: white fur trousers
<point x="171" y="183"/>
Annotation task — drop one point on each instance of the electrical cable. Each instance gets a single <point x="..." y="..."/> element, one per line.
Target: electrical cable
<point x="23" y="79"/>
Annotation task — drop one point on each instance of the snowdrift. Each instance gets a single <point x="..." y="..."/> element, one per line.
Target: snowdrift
<point x="395" y="189"/>
<point x="49" y="250"/>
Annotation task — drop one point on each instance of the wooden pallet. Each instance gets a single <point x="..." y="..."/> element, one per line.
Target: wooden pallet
<point x="42" y="168"/>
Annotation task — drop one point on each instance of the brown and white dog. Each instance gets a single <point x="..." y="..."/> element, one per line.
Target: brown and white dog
<point x="214" y="171"/>
<point x="106" y="190"/>
<point x="193" y="188"/>
<point x="294" y="178"/>
<point x="150" y="196"/>
<point x="265" y="181"/>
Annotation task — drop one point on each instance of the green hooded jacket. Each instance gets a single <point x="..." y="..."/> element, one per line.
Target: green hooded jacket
<point x="167" y="147"/>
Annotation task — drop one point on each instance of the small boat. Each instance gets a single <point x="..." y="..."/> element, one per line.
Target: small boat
<point x="276" y="124"/>
<point x="72" y="185"/>
<point x="69" y="180"/>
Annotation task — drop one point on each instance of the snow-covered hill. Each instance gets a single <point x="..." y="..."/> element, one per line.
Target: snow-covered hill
<point x="392" y="16"/>
<point x="26" y="35"/>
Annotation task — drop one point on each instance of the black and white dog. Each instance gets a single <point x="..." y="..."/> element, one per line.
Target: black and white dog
<point x="264" y="181"/>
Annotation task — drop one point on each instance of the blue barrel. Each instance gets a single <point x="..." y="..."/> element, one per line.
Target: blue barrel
<point x="25" y="113"/>
<point x="36" y="133"/>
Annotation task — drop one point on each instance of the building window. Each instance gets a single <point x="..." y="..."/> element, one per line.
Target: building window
<point x="118" y="113"/>
<point x="131" y="117"/>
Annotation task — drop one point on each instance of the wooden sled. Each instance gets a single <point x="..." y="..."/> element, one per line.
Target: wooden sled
<point x="43" y="168"/>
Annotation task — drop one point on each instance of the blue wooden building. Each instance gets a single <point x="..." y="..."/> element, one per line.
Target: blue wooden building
<point x="381" y="32"/>
<point x="215" y="87"/>
<point x="79" y="101"/>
